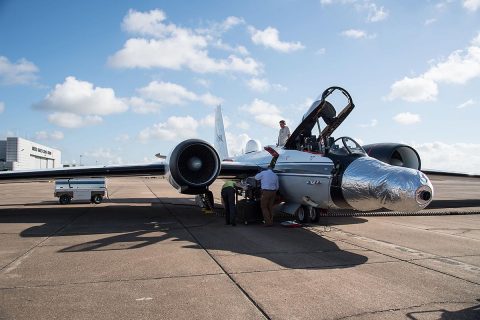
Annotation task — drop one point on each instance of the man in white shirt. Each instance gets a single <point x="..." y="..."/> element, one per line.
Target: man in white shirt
<point x="283" y="134"/>
<point x="269" y="182"/>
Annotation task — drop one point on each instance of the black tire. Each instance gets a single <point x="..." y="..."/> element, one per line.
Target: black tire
<point x="64" y="199"/>
<point x="315" y="215"/>
<point x="97" y="199"/>
<point x="302" y="214"/>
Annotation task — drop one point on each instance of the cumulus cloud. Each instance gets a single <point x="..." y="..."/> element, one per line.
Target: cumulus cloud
<point x="236" y="143"/>
<point x="407" y="118"/>
<point x="45" y="135"/>
<point x="158" y="94"/>
<point x="175" y="128"/>
<point x="21" y="72"/>
<point x="459" y="67"/>
<point x="357" y="34"/>
<point x="2" y="106"/>
<point x="445" y="157"/>
<point x="81" y="97"/>
<point x="269" y="38"/>
<point x="264" y="113"/>
<point x="414" y="90"/>
<point x="71" y="120"/>
<point x="471" y="5"/>
<point x="262" y="85"/>
<point x="172" y="47"/>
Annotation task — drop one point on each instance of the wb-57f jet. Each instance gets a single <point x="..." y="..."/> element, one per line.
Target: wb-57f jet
<point x="316" y="171"/>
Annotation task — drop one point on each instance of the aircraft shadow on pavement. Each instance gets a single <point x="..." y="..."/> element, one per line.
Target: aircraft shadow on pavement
<point x="134" y="227"/>
<point x="466" y="314"/>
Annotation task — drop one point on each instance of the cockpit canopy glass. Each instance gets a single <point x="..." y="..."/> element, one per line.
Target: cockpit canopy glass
<point x="345" y="146"/>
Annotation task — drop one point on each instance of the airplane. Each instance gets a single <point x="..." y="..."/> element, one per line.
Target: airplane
<point x="316" y="171"/>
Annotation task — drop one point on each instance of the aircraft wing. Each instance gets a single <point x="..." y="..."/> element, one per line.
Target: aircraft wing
<point x="112" y="171"/>
<point x="228" y="170"/>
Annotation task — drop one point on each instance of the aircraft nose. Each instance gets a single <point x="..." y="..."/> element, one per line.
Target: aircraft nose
<point x="369" y="184"/>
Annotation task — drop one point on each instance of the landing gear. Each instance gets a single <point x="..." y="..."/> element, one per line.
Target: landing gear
<point x="305" y="214"/>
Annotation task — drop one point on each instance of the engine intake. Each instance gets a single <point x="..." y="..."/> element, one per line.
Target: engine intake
<point x="192" y="166"/>
<point x="395" y="154"/>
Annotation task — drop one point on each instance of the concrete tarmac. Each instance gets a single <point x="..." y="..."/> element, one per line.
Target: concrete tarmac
<point x="150" y="253"/>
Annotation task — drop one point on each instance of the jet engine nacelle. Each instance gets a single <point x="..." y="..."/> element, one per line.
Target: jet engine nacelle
<point x="192" y="166"/>
<point x="394" y="154"/>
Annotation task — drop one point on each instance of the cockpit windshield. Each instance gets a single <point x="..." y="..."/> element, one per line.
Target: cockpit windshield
<point x="345" y="146"/>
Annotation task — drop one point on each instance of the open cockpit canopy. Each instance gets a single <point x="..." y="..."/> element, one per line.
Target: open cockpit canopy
<point x="304" y="137"/>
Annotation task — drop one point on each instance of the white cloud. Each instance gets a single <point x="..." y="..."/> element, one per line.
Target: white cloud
<point x="357" y="34"/>
<point x="264" y="113"/>
<point x="167" y="93"/>
<point x="259" y="85"/>
<point x="460" y="67"/>
<point x="2" y="106"/>
<point x="81" y="97"/>
<point x="445" y="157"/>
<point x="22" y="72"/>
<point x="262" y="85"/>
<point x="373" y="123"/>
<point x="471" y="5"/>
<point x="44" y="135"/>
<point x="173" y="47"/>
<point x="103" y="156"/>
<point x="321" y="51"/>
<point x="467" y="103"/>
<point x="175" y="128"/>
<point x="269" y="38"/>
<point x="236" y="143"/>
<point x="140" y="105"/>
<point x="374" y="12"/>
<point x="71" y="120"/>
<point x="429" y="21"/>
<point x="414" y="90"/>
<point x="407" y="118"/>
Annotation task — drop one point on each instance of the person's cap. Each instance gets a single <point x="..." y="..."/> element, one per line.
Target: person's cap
<point x="282" y="121"/>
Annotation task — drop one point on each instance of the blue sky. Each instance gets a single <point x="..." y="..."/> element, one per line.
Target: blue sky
<point x="119" y="81"/>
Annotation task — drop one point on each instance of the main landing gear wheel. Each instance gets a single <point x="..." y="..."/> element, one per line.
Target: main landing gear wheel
<point x="302" y="214"/>
<point x="305" y="214"/>
<point x="65" y="199"/>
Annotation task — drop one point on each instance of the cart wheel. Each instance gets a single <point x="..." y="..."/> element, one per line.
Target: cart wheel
<point x="64" y="199"/>
<point x="97" y="199"/>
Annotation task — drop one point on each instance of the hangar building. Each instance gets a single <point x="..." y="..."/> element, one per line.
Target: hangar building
<point x="21" y="154"/>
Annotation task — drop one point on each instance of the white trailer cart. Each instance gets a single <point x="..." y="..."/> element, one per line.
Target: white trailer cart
<point x="85" y="189"/>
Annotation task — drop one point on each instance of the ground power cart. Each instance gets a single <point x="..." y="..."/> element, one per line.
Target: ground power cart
<point x="83" y="189"/>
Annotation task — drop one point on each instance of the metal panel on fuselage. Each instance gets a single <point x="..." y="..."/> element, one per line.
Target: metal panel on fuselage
<point x="302" y="175"/>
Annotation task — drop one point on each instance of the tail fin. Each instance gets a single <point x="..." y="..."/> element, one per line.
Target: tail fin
<point x="220" y="142"/>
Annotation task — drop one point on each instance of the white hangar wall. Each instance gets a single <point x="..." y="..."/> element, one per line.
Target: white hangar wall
<point x="22" y="154"/>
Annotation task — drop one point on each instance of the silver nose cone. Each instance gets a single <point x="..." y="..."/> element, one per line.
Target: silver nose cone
<point x="369" y="184"/>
